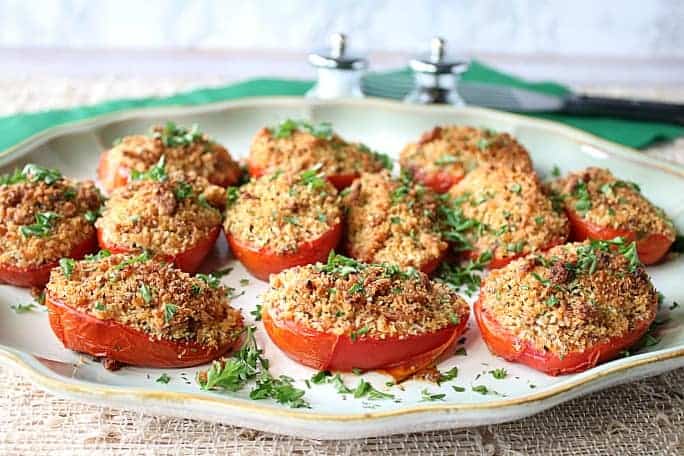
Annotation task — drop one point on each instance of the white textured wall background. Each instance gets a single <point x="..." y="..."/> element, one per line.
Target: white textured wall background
<point x="612" y="28"/>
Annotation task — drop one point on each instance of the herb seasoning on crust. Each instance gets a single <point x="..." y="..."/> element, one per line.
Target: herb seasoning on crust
<point x="393" y="221"/>
<point x="507" y="214"/>
<point x="174" y="216"/>
<point x="445" y="154"/>
<point x="344" y="314"/>
<point x="601" y="206"/>
<point x="186" y="150"/>
<point x="44" y="217"/>
<point x="282" y="220"/>
<point x="568" y="309"/>
<point x="136" y="310"/>
<point x="294" y="146"/>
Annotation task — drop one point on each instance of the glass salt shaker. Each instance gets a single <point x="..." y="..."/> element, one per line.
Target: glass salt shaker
<point x="339" y="74"/>
<point x="436" y="76"/>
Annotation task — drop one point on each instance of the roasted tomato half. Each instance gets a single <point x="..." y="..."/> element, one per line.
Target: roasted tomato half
<point x="567" y="310"/>
<point x="87" y="306"/>
<point x="343" y="314"/>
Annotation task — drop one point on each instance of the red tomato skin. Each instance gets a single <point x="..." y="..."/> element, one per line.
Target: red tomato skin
<point x="440" y="181"/>
<point x="430" y="267"/>
<point x="39" y="276"/>
<point x="84" y="333"/>
<point x="502" y="343"/>
<point x="111" y="175"/>
<point x="261" y="263"/>
<point x="651" y="249"/>
<point x="187" y="261"/>
<point x="339" y="181"/>
<point x="325" y="351"/>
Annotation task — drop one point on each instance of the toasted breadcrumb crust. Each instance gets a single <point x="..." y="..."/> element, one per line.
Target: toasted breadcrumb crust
<point x="614" y="203"/>
<point x="20" y="202"/>
<point x="514" y="214"/>
<point x="302" y="150"/>
<point x="376" y="302"/>
<point x="544" y="300"/>
<point x="179" y="307"/>
<point x="280" y="211"/>
<point x="392" y="221"/>
<point x="150" y="214"/>
<point x="457" y="150"/>
<point x="202" y="157"/>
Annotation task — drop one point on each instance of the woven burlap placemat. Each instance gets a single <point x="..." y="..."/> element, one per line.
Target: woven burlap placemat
<point x="640" y="418"/>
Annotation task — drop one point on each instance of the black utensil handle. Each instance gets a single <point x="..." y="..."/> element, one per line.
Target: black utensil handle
<point x="585" y="105"/>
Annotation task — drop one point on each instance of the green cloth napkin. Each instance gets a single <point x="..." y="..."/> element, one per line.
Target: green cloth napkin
<point x="16" y="128"/>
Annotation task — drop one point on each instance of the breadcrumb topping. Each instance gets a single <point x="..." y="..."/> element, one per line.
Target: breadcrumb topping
<point x="282" y="210"/>
<point x="292" y="148"/>
<point x="457" y="150"/>
<point x="166" y="216"/>
<point x="393" y="221"/>
<point x="604" y="200"/>
<point x="43" y="220"/>
<point x="150" y="296"/>
<point x="512" y="214"/>
<point x="185" y="150"/>
<point x="572" y="297"/>
<point x="347" y="297"/>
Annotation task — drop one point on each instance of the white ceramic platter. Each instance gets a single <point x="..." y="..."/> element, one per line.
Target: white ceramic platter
<point x="28" y="345"/>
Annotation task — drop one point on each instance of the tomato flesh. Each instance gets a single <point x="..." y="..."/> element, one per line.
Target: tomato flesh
<point x="339" y="181"/>
<point x="262" y="262"/>
<point x="187" y="261"/>
<point x="38" y="276"/>
<point x="651" y="248"/>
<point x="508" y="346"/>
<point x="324" y="351"/>
<point x="439" y="181"/>
<point x="111" y="175"/>
<point x="84" y="333"/>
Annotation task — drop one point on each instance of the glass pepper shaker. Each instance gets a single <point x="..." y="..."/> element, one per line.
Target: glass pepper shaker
<point x="436" y="76"/>
<point x="339" y="74"/>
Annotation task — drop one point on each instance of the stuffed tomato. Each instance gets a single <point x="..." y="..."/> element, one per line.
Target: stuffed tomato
<point x="283" y="220"/>
<point x="344" y="315"/>
<point x="45" y="217"/>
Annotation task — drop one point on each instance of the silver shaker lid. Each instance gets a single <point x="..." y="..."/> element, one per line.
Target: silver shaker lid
<point x="437" y="61"/>
<point x="336" y="56"/>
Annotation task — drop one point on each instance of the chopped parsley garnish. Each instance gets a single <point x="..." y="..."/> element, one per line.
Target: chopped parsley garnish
<point x="427" y="396"/>
<point x="499" y="373"/>
<point x="320" y="377"/>
<point x="99" y="306"/>
<point x="457" y="227"/>
<point x="583" y="203"/>
<point x="395" y="220"/>
<point x="244" y="282"/>
<point x="446" y="160"/>
<point x="209" y="279"/>
<point x="458" y="389"/>
<point x="539" y="219"/>
<point x="91" y="216"/>
<point x="454" y="319"/>
<point x="67" y="265"/>
<point x="608" y="188"/>
<point x="70" y="193"/>
<point x="232" y="194"/>
<point x="515" y="187"/>
<point x="143" y="257"/>
<point x="403" y="189"/>
<point x="552" y="301"/>
<point x="164" y="378"/>
<point x="480" y="389"/>
<point x="104" y="253"/>
<point x="466" y="276"/>
<point x="339" y="385"/>
<point x="555" y="171"/>
<point x="22" y="308"/>
<point x="357" y="288"/>
<point x="340" y="264"/>
<point x="287" y="127"/>
<point x="313" y="178"/>
<point x="169" y="311"/>
<point x="356" y="371"/>
<point x="154" y="173"/>
<point x="540" y="279"/>
<point x="42" y="227"/>
<point x="354" y="335"/>
<point x="291" y="219"/>
<point x="146" y="292"/>
<point x="365" y="389"/>
<point x="516" y="247"/>
<point x="31" y="173"/>
<point x="249" y="364"/>
<point x="173" y="135"/>
<point x="483" y="143"/>
<point x="384" y="159"/>
<point x="448" y="375"/>
<point x="183" y="190"/>
<point x="256" y="313"/>
<point x="461" y="351"/>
